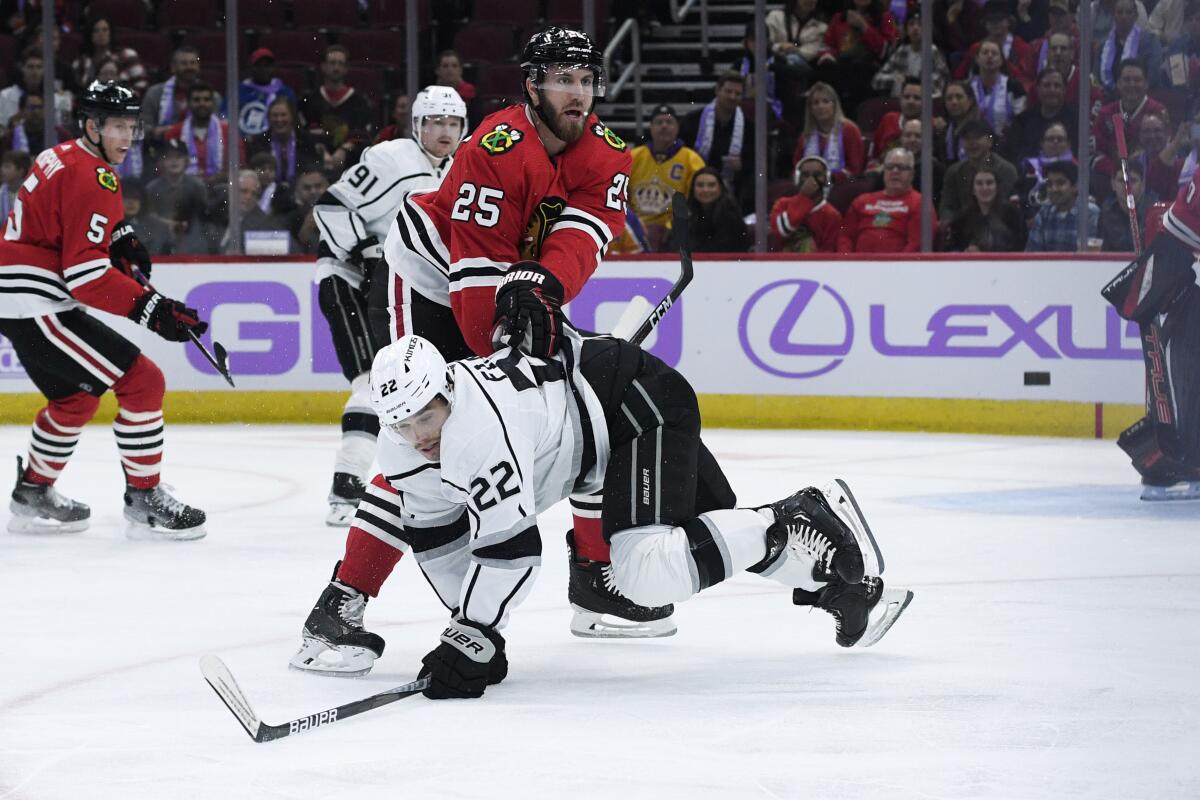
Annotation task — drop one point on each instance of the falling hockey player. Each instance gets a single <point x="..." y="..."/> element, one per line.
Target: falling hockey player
<point x="353" y="219"/>
<point x="522" y="220"/>
<point x="1159" y="292"/>
<point x="474" y="450"/>
<point x="65" y="246"/>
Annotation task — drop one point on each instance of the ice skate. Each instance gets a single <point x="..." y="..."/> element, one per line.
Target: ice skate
<point x="154" y="514"/>
<point x="807" y="525"/>
<point x="863" y="612"/>
<point x="347" y="490"/>
<point x="1183" y="490"/>
<point x="335" y="642"/>
<point x="602" y="612"/>
<point x="39" y="508"/>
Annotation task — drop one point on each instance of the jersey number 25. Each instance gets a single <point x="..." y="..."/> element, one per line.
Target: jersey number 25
<point x="486" y="213"/>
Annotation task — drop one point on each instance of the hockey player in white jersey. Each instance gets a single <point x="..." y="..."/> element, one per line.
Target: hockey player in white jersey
<point x="475" y="449"/>
<point x="353" y="219"/>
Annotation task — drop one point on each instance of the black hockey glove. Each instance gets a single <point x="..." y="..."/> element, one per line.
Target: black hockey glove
<point x="529" y="310"/>
<point x="469" y="659"/>
<point x="366" y="256"/>
<point x="169" y="318"/>
<point x="126" y="251"/>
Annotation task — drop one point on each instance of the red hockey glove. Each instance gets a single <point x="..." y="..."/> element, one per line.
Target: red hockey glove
<point x="170" y="319"/>
<point x="529" y="310"/>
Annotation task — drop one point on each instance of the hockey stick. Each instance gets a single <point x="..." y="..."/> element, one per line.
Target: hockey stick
<point x="1130" y="202"/>
<point x="680" y="224"/>
<point x="220" y="361"/>
<point x="221" y="680"/>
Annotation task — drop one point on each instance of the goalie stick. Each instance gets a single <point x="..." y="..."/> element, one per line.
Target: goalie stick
<point x="639" y="305"/>
<point x="221" y="680"/>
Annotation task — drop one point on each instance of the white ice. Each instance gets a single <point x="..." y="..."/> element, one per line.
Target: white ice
<point x="1052" y="650"/>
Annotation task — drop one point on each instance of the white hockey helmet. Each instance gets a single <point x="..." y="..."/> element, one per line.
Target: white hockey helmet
<point x="437" y="101"/>
<point x="405" y="376"/>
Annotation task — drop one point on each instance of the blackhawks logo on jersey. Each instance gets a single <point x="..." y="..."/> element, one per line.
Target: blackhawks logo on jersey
<point x="610" y="138"/>
<point x="500" y="139"/>
<point x="107" y="178"/>
<point x="542" y="220"/>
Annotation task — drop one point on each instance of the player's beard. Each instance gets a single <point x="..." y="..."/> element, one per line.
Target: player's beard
<point x="562" y="126"/>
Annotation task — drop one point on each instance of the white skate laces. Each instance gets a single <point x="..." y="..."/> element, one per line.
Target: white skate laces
<point x="353" y="608"/>
<point x="805" y="540"/>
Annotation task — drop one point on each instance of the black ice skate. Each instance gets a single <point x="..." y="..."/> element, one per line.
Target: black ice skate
<point x="347" y="490"/>
<point x="335" y="642"/>
<point x="39" y="508"/>
<point x="602" y="612"/>
<point x="158" y="514"/>
<point x="863" y="612"/>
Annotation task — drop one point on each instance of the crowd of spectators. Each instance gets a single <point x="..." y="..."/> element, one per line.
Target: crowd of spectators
<point x="845" y="125"/>
<point x="845" y="95"/>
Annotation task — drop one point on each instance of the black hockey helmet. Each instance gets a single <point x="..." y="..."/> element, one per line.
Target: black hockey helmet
<point x="566" y="47"/>
<point x="109" y="99"/>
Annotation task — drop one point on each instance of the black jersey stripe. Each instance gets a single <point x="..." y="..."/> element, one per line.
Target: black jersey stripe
<point x="478" y="272"/>
<point x="402" y="475"/>
<point x="470" y="589"/>
<point x="399" y="181"/>
<point x="600" y="230"/>
<point x="706" y="554"/>
<point x="403" y="225"/>
<point x="419" y="228"/>
<point x="33" y="290"/>
<point x="511" y="595"/>
<point x="329" y="234"/>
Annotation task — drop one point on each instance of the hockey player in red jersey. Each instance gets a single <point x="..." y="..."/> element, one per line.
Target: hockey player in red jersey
<point x="517" y="227"/>
<point x="1159" y="292"/>
<point x="65" y="246"/>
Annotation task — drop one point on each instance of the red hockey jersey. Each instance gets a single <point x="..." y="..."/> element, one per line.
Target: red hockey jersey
<point x="54" y="252"/>
<point x="1183" y="218"/>
<point x="506" y="200"/>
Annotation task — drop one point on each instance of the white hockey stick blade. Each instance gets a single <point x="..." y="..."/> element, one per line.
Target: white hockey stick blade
<point x="884" y="615"/>
<point x="221" y="680"/>
<point x="631" y="319"/>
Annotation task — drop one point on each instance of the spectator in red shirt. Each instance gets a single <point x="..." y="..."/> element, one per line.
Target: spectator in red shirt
<point x="205" y="135"/>
<point x="887" y="132"/>
<point x="1134" y="104"/>
<point x="1013" y="48"/>
<point x="804" y="222"/>
<point x="401" y="126"/>
<point x="887" y="221"/>
<point x="449" y="72"/>
<point x="856" y="43"/>
<point x="828" y="134"/>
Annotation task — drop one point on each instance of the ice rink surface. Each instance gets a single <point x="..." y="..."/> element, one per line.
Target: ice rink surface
<point x="1052" y="650"/>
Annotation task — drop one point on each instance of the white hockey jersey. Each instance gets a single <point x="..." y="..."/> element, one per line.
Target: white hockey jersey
<point x="523" y="434"/>
<point x="368" y="196"/>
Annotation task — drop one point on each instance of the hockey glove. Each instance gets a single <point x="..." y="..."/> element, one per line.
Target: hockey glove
<point x="366" y="257"/>
<point x="126" y="251"/>
<point x="469" y="659"/>
<point x="529" y="310"/>
<point x="170" y="319"/>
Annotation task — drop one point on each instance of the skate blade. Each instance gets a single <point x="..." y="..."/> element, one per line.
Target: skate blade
<point x="340" y="514"/>
<point x="317" y="657"/>
<point x="141" y="532"/>
<point x="884" y="615"/>
<point x="843" y="502"/>
<point x="40" y="526"/>
<point x="1184" y="490"/>
<point x="591" y="625"/>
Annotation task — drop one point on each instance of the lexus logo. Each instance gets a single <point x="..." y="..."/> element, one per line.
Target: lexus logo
<point x="796" y="328"/>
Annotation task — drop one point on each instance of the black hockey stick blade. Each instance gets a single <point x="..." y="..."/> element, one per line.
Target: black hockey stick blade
<point x="220" y="361"/>
<point x="222" y="682"/>
<point x="681" y="226"/>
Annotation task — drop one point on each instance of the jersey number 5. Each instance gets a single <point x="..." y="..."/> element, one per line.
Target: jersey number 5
<point x="502" y="474"/>
<point x="487" y="213"/>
